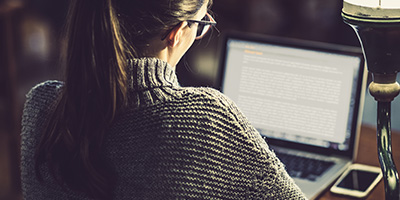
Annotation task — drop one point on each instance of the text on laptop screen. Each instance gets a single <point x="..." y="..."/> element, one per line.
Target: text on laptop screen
<point x="294" y="94"/>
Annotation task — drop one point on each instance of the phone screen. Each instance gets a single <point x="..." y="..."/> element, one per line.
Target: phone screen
<point x="358" y="180"/>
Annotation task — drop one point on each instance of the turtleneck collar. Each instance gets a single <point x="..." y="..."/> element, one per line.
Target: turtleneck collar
<point x="147" y="73"/>
<point x="151" y="80"/>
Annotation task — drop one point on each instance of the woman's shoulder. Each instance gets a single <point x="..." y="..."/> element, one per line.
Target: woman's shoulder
<point x="208" y="94"/>
<point x="43" y="93"/>
<point x="213" y="102"/>
<point x="45" y="88"/>
<point x="39" y="101"/>
<point x="46" y="85"/>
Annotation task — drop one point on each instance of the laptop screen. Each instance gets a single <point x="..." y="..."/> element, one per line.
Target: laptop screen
<point x="294" y="92"/>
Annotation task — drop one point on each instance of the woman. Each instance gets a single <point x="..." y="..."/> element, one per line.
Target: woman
<point x="121" y="127"/>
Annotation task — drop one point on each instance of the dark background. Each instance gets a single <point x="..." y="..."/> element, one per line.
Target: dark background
<point x="30" y="40"/>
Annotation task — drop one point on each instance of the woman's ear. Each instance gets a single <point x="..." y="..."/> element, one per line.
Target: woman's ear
<point x="175" y="35"/>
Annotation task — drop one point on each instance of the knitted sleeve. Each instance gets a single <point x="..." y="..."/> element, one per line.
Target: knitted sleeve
<point x="39" y="102"/>
<point x="269" y="177"/>
<point x="35" y="113"/>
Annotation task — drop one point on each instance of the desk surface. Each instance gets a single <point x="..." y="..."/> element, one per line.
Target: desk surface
<point x="368" y="154"/>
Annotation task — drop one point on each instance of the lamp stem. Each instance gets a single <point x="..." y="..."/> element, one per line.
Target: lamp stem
<point x="391" y="177"/>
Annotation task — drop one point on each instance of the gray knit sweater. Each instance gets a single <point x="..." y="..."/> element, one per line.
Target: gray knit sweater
<point x="171" y="142"/>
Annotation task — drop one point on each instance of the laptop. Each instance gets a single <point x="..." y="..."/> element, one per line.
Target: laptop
<point x="304" y="97"/>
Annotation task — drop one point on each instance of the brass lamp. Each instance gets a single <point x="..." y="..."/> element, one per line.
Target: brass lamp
<point x="377" y="25"/>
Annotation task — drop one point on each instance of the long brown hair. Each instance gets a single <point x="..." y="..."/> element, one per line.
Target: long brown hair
<point x="101" y="35"/>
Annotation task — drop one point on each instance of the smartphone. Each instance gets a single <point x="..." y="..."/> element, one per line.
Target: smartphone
<point x="357" y="180"/>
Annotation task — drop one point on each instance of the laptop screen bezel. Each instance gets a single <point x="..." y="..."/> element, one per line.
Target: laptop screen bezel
<point x="304" y="44"/>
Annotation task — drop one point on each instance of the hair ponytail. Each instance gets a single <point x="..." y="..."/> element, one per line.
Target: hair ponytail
<point x="95" y="89"/>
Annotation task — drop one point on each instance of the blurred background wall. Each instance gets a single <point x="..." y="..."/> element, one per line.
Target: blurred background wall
<point x="30" y="39"/>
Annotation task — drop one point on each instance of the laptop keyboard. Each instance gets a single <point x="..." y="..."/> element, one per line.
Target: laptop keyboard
<point x="303" y="167"/>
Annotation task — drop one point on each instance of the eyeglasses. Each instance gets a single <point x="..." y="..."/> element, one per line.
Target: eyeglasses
<point x="203" y="27"/>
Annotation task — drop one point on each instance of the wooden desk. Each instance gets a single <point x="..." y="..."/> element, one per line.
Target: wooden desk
<point x="368" y="154"/>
